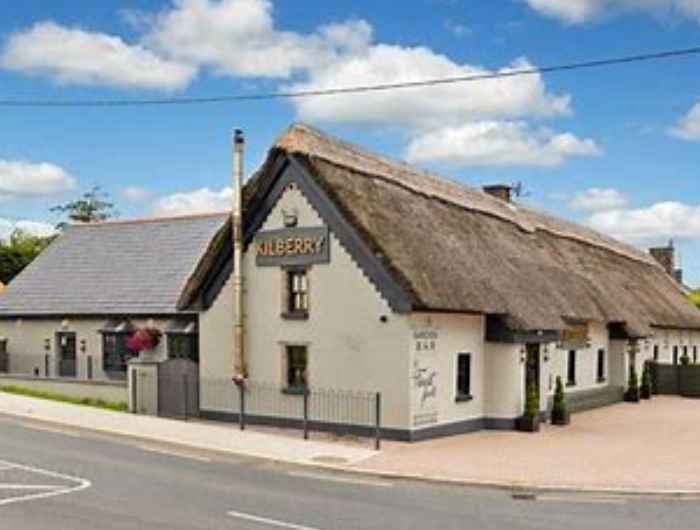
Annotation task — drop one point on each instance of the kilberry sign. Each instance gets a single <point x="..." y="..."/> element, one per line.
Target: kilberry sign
<point x="292" y="246"/>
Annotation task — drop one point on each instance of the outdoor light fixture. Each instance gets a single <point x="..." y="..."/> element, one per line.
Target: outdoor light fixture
<point x="47" y="344"/>
<point x="83" y="345"/>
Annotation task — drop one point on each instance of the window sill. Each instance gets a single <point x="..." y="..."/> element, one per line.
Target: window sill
<point x="463" y="398"/>
<point x="295" y="316"/>
<point x="294" y="391"/>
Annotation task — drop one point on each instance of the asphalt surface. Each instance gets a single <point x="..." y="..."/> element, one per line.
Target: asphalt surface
<point x="61" y="479"/>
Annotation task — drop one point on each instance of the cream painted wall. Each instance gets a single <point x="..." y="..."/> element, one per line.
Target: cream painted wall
<point x="452" y="335"/>
<point x="349" y="347"/>
<point x="504" y="383"/>
<point x="586" y="362"/>
<point x="26" y="338"/>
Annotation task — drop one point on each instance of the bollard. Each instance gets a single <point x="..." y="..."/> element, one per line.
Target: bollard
<point x="306" y="413"/>
<point x="241" y="415"/>
<point x="378" y="422"/>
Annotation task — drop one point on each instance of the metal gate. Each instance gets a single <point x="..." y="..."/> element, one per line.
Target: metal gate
<point x="178" y="388"/>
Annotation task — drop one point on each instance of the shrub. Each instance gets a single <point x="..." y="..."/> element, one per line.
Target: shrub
<point x="646" y="382"/>
<point x="632" y="393"/>
<point x="532" y="403"/>
<point x="559" y="405"/>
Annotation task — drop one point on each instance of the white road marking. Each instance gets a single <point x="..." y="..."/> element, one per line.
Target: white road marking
<point x="30" y="487"/>
<point x="174" y="453"/>
<point x="346" y="480"/>
<point x="79" y="484"/>
<point x="268" y="522"/>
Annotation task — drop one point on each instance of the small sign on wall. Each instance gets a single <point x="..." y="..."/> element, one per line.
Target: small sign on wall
<point x="292" y="246"/>
<point x="424" y="376"/>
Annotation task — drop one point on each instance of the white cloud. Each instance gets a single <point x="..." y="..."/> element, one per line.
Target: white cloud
<point x="35" y="228"/>
<point x="688" y="127"/>
<point x="136" y="194"/>
<point x="599" y="200"/>
<point x="581" y="11"/>
<point x="493" y="143"/>
<point x="75" y="56"/>
<point x="26" y="178"/>
<point x="422" y="107"/>
<point x="203" y="200"/>
<point x="660" y="221"/>
<point x="239" y="37"/>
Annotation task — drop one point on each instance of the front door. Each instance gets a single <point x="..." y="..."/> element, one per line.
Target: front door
<point x="532" y="367"/>
<point x="66" y="354"/>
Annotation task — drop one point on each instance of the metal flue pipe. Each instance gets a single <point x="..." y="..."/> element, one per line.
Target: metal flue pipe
<point x="240" y="369"/>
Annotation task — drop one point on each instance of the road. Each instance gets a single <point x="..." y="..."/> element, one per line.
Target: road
<point x="59" y="479"/>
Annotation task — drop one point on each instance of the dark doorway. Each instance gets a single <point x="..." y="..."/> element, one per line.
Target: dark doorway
<point x="532" y="366"/>
<point x="67" y="361"/>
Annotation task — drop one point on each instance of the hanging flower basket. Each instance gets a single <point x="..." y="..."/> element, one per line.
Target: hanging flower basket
<point x="144" y="339"/>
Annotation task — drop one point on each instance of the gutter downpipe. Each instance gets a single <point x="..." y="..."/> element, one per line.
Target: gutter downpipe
<point x="240" y="369"/>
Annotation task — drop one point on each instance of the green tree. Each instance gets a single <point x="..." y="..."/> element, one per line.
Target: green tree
<point x="18" y="252"/>
<point x="695" y="298"/>
<point x="92" y="206"/>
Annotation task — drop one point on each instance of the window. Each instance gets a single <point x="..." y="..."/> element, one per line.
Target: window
<point x="115" y="353"/>
<point x="182" y="346"/>
<point x="656" y="353"/>
<point x="675" y="355"/>
<point x="695" y="355"/>
<point x="297" y="366"/>
<point x="464" y="376"/>
<point x="601" y="365"/>
<point x="571" y="368"/>
<point x="297" y="286"/>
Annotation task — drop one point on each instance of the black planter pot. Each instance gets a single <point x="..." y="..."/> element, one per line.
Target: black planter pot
<point x="645" y="393"/>
<point x="632" y="396"/>
<point x="528" y="424"/>
<point x="561" y="417"/>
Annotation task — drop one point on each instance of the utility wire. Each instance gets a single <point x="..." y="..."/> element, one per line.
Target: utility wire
<point x="353" y="89"/>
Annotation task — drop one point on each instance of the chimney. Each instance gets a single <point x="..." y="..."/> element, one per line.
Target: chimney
<point x="666" y="256"/>
<point x="503" y="192"/>
<point x="678" y="275"/>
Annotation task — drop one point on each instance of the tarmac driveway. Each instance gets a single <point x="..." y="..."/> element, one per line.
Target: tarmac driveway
<point x="651" y="446"/>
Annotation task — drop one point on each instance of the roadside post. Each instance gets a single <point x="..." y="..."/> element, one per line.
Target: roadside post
<point x="378" y="421"/>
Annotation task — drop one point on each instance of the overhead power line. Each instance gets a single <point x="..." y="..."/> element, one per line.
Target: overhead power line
<point x="669" y="54"/>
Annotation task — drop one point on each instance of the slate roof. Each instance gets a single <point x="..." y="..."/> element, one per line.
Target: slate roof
<point x="113" y="268"/>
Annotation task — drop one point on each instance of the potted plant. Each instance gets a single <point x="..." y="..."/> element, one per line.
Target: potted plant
<point x="144" y="340"/>
<point x="685" y="359"/>
<point x="530" y="420"/>
<point x="632" y="393"/>
<point x="560" y="411"/>
<point x="646" y="388"/>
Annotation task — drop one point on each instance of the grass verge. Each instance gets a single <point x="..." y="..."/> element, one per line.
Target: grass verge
<point x="88" y="402"/>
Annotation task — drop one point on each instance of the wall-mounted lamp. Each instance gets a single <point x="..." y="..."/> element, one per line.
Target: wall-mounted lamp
<point x="83" y="345"/>
<point x="47" y="345"/>
<point x="383" y="319"/>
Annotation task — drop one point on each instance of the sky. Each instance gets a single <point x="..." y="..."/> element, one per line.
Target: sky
<point x="617" y="148"/>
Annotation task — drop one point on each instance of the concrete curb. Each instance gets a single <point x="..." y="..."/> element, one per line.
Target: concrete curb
<point x="522" y="490"/>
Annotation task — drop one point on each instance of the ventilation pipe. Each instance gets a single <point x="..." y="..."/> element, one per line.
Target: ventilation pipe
<point x="240" y="369"/>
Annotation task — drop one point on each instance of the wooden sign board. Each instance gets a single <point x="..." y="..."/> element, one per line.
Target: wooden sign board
<point x="575" y="337"/>
<point x="292" y="246"/>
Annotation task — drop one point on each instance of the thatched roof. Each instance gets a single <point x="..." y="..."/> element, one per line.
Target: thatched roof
<point x="460" y="249"/>
<point x="454" y="248"/>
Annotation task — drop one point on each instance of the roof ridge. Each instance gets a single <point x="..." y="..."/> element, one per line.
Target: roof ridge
<point x="525" y="218"/>
<point x="146" y="220"/>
